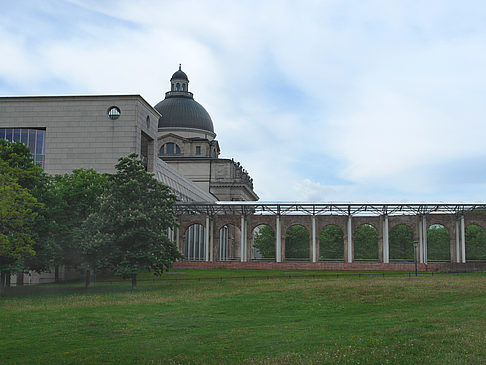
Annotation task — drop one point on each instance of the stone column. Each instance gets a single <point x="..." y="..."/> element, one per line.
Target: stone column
<point x="386" y="242"/>
<point x="278" y="241"/>
<point x="314" y="243"/>
<point x="211" y="241"/>
<point x="463" y="241"/>
<point x="243" y="239"/>
<point x="349" y="253"/>
<point x="424" y="248"/>
<point x="206" y="239"/>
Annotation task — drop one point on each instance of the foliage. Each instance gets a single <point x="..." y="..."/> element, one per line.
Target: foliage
<point x="264" y="241"/>
<point x="438" y="243"/>
<point x="331" y="243"/>
<point x="129" y="229"/>
<point x="17" y="156"/>
<point x="475" y="243"/>
<point x="365" y="243"/>
<point x="297" y="243"/>
<point x="16" y="213"/>
<point x="401" y="243"/>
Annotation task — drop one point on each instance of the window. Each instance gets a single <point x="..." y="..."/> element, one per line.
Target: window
<point x="35" y="139"/>
<point x="184" y="87"/>
<point x="114" y="112"/>
<point x="198" y="150"/>
<point x="148" y="122"/>
<point x="178" y="87"/>
<point x="170" y="149"/>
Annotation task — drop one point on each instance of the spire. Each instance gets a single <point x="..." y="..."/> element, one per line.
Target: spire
<point x="180" y="67"/>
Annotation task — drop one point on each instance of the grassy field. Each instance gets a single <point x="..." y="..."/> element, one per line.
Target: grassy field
<point x="251" y="317"/>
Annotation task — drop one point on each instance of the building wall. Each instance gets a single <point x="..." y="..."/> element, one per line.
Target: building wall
<point x="79" y="133"/>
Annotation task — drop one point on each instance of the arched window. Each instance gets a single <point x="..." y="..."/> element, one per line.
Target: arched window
<point x="178" y="87"/>
<point x="170" y="149"/>
<point x="184" y="86"/>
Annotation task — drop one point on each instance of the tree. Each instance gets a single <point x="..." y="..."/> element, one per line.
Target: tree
<point x="130" y="227"/>
<point x="264" y="241"/>
<point x="18" y="176"/>
<point x="401" y="243"/>
<point x="297" y="243"/>
<point x="16" y="214"/>
<point x="365" y="242"/>
<point x="475" y="243"/>
<point x="438" y="243"/>
<point x="331" y="243"/>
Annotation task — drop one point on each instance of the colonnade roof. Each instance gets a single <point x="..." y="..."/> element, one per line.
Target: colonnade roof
<point x="329" y="208"/>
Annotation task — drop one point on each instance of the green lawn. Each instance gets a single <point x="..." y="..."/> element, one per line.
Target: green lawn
<point x="264" y="318"/>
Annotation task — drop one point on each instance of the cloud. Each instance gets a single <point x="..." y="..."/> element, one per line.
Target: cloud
<point x="337" y="100"/>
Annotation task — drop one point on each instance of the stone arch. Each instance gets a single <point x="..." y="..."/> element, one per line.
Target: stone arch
<point x="475" y="243"/>
<point x="331" y="243"/>
<point x="228" y="239"/>
<point x="262" y="243"/>
<point x="254" y="221"/>
<point x="297" y="243"/>
<point x="194" y="242"/>
<point x="438" y="243"/>
<point x="365" y="239"/>
<point x="401" y="241"/>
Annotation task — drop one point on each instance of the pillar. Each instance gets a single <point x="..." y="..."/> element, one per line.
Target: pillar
<point x="314" y="243"/>
<point x="211" y="241"/>
<point x="278" y="241"/>
<point x="463" y="241"/>
<point x="243" y="239"/>
<point x="206" y="240"/>
<point x="420" y="226"/>
<point x="350" y="240"/>
<point x="425" y="248"/>
<point x="386" y="241"/>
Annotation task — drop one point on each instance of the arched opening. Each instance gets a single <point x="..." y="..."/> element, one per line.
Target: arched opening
<point x="331" y="244"/>
<point x="475" y="243"/>
<point x="184" y="87"/>
<point x="401" y="243"/>
<point x="365" y="240"/>
<point x="438" y="243"/>
<point x="229" y="245"/>
<point x="263" y="247"/>
<point x="170" y="149"/>
<point x="297" y="244"/>
<point x="178" y="87"/>
<point x="194" y="245"/>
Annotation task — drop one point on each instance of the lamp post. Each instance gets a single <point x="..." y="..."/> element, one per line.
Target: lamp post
<point x="415" y="245"/>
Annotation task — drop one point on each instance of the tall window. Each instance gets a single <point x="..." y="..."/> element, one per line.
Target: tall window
<point x="35" y="139"/>
<point x="170" y="149"/>
<point x="198" y="150"/>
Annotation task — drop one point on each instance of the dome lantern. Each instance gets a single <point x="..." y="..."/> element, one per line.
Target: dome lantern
<point x="179" y="110"/>
<point x="179" y="81"/>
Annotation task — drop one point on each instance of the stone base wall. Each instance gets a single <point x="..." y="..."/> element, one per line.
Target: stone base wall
<point x="442" y="266"/>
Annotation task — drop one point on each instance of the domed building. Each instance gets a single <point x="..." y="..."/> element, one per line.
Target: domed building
<point x="186" y="141"/>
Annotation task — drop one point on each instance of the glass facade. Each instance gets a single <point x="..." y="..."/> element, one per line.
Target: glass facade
<point x="35" y="139"/>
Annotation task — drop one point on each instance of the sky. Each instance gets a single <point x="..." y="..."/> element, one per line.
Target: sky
<point x="330" y="100"/>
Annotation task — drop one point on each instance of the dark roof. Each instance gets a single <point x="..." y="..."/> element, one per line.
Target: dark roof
<point x="185" y="112"/>
<point x="179" y="74"/>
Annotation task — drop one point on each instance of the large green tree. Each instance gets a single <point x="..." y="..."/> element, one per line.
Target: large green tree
<point x="264" y="241"/>
<point x="331" y="243"/>
<point x="130" y="226"/>
<point x="18" y="207"/>
<point x="365" y="243"/>
<point x="438" y="243"/>
<point x="475" y="243"/>
<point x="401" y="243"/>
<point x="297" y="243"/>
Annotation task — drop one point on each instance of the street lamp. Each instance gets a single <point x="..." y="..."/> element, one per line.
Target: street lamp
<point x="415" y="245"/>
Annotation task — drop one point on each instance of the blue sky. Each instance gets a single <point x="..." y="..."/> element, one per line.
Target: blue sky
<point x="319" y="100"/>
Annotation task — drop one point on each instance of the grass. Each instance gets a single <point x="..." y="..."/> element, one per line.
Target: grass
<point x="265" y="318"/>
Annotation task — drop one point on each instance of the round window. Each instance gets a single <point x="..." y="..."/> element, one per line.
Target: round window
<point x="114" y="112"/>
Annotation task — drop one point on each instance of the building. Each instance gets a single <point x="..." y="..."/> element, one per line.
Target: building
<point x="176" y="139"/>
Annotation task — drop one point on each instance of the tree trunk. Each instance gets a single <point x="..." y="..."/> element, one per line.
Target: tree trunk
<point x="88" y="278"/>
<point x="2" y="279"/>
<point x="7" y="279"/>
<point x="20" y="278"/>
<point x="134" y="281"/>
<point x="56" y="274"/>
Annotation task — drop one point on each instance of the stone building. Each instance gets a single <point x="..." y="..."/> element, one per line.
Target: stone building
<point x="186" y="141"/>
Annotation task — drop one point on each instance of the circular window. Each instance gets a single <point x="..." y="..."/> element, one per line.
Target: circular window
<point x="114" y="112"/>
<point x="148" y="122"/>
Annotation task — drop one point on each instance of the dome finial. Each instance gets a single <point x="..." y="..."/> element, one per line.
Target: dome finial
<point x="179" y="67"/>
